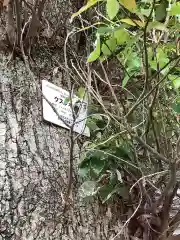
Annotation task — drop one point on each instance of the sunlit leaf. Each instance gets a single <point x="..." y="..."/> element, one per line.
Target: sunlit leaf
<point x="109" y="46"/>
<point x="175" y="80"/>
<point x="145" y="12"/>
<point x="175" y="9"/>
<point x="129" y="4"/>
<point x="81" y="92"/>
<point x="121" y="36"/>
<point x="89" y="4"/>
<point x="133" y="62"/>
<point x="97" y="51"/>
<point x="133" y="22"/>
<point x="125" y="81"/>
<point x="112" y="8"/>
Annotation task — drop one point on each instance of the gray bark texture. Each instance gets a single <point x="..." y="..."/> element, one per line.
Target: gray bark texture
<point x="34" y="159"/>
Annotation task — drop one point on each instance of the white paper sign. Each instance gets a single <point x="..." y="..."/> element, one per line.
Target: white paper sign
<point x="60" y="99"/>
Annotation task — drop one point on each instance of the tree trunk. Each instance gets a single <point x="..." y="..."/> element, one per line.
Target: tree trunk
<point x="33" y="170"/>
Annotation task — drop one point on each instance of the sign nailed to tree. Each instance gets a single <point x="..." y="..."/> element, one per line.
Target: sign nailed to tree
<point x="60" y="99"/>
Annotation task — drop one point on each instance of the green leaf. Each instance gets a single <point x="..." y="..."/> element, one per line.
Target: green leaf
<point x="175" y="9"/>
<point x="97" y="51"/>
<point x="97" y="117"/>
<point x="133" y="22"/>
<point x="106" y="192"/>
<point x="104" y="30"/>
<point x="145" y="12"/>
<point x="129" y="4"/>
<point x="87" y="189"/>
<point x="157" y="25"/>
<point x="176" y="107"/>
<point x="84" y="169"/>
<point x="175" y="80"/>
<point x="97" y="165"/>
<point x="81" y="92"/>
<point x="121" y="36"/>
<point x="66" y="100"/>
<point x="125" y="81"/>
<point x="112" y="8"/>
<point x="109" y="47"/>
<point x="161" y="12"/>
<point x="133" y="62"/>
<point x="91" y="125"/>
<point x="161" y="58"/>
<point x="96" y="154"/>
<point x="89" y="4"/>
<point x="123" y="192"/>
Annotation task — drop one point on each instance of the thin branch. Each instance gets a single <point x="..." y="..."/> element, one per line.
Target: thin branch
<point x="157" y="155"/>
<point x="147" y="176"/>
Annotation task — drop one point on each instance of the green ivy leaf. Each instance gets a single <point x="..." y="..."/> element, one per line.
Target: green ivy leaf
<point x="91" y="125"/>
<point x="97" y="165"/>
<point x="97" y="117"/>
<point x="97" y="51"/>
<point x="175" y="9"/>
<point x="84" y="169"/>
<point x="87" y="189"/>
<point x="112" y="8"/>
<point x="106" y="192"/>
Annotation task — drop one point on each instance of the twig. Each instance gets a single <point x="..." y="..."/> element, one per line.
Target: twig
<point x="151" y="150"/>
<point x="147" y="176"/>
<point x="111" y="89"/>
<point x="111" y="155"/>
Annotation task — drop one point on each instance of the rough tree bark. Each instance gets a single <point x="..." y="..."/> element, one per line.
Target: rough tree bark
<point x="33" y="170"/>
